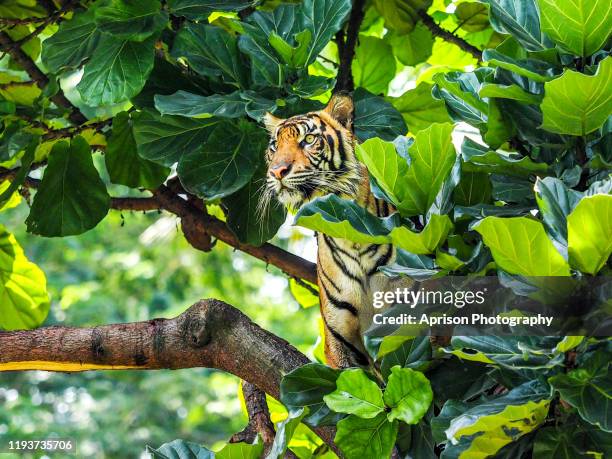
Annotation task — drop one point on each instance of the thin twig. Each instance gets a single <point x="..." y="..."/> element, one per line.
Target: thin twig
<point x="346" y="47"/>
<point x="438" y="31"/>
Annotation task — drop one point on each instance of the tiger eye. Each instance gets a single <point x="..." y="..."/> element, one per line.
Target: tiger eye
<point x="309" y="138"/>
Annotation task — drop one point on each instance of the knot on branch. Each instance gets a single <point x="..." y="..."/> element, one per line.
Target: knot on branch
<point x="194" y="234"/>
<point x="200" y="322"/>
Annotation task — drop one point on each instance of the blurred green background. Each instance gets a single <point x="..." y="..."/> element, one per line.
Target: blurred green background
<point x="132" y="267"/>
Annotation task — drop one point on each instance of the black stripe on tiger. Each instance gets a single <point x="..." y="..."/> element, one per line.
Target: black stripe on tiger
<point x="329" y="279"/>
<point x="383" y="260"/>
<point x="340" y="263"/>
<point x="339" y="304"/>
<point x="360" y="357"/>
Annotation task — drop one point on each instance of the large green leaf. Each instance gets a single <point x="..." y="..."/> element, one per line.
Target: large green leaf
<point x="284" y="433"/>
<point x="241" y="451"/>
<point x="533" y="69"/>
<point x="117" y="70"/>
<point x="401" y="15"/>
<point x="578" y="104"/>
<point x="181" y="449"/>
<point x="419" y="108"/>
<point x="374" y="65"/>
<point x="130" y="20"/>
<point x="201" y="9"/>
<point x="306" y="386"/>
<point x="581" y="27"/>
<point x="589" y="228"/>
<point x="323" y="18"/>
<point x="375" y="117"/>
<point x="356" y="394"/>
<point x="294" y="56"/>
<point x="211" y="51"/>
<point x="123" y="163"/>
<point x="346" y="219"/>
<point x="479" y="158"/>
<point x="412" y="48"/>
<point x="184" y="103"/>
<point x="164" y="139"/>
<point x="24" y="301"/>
<point x="472" y="16"/>
<point x="366" y="438"/>
<point x="74" y="42"/>
<point x="492" y="424"/>
<point x="71" y="198"/>
<point x="474" y="188"/>
<point x="225" y="163"/>
<point x="251" y="223"/>
<point x="521" y="19"/>
<point x="589" y="389"/>
<point x="520" y="246"/>
<point x="412" y="187"/>
<point x="555" y="201"/>
<point x="408" y="394"/>
<point x="512" y="91"/>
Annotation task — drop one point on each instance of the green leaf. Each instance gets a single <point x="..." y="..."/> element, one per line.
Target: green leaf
<point x="581" y="28"/>
<point x="375" y="117"/>
<point x="521" y="19"/>
<point x="432" y="156"/>
<point x="578" y="104"/>
<point x="294" y="56"/>
<point x="479" y="159"/>
<point x="241" y="451"/>
<point x="346" y="219"/>
<point x="412" y="48"/>
<point x="117" y="70"/>
<point x="323" y="18"/>
<point x="201" y="9"/>
<point x="589" y="228"/>
<point x="356" y="394"/>
<point x="164" y="139"/>
<point x="589" y="389"/>
<point x="248" y="221"/>
<point x="472" y="17"/>
<point x="225" y="163"/>
<point x="196" y="106"/>
<point x="7" y="196"/>
<point x="127" y="20"/>
<point x="123" y="164"/>
<point x="474" y="188"/>
<point x="419" y="109"/>
<point x="284" y="433"/>
<point x="512" y="91"/>
<point x="305" y="387"/>
<point x="520" y="246"/>
<point x="408" y="394"/>
<point x="366" y="438"/>
<point x="491" y="424"/>
<point x="75" y="41"/>
<point x="24" y="301"/>
<point x="71" y="198"/>
<point x="533" y="69"/>
<point x="181" y="449"/>
<point x="374" y="65"/>
<point x="401" y="15"/>
<point x="211" y="51"/>
<point x="556" y="201"/>
<point x="507" y="188"/>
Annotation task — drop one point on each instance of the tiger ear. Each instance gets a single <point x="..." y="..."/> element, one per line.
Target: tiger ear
<point x="340" y="107"/>
<point x="271" y="122"/>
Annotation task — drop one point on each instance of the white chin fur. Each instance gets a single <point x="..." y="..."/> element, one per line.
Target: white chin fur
<point x="289" y="198"/>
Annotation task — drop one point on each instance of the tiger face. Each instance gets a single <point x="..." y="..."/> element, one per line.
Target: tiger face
<point x="312" y="155"/>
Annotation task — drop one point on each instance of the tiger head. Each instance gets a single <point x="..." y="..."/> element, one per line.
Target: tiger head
<point x="312" y="155"/>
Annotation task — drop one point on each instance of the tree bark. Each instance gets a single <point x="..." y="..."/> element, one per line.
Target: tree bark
<point x="209" y="334"/>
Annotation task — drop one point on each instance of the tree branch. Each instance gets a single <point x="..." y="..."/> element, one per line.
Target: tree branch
<point x="438" y="31"/>
<point x="259" y="417"/>
<point x="7" y="44"/>
<point x="209" y="334"/>
<point x="346" y="48"/>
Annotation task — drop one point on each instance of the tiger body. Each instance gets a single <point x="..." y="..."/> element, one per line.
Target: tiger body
<point x="313" y="155"/>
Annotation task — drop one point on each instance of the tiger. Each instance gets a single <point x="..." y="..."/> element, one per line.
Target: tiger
<point x="309" y="156"/>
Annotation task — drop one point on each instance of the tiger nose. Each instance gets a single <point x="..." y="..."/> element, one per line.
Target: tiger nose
<point x="280" y="170"/>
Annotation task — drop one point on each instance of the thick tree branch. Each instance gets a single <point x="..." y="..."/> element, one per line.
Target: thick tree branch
<point x="209" y="334"/>
<point x="438" y="31"/>
<point x="259" y="417"/>
<point x="8" y="45"/>
<point x="346" y="47"/>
